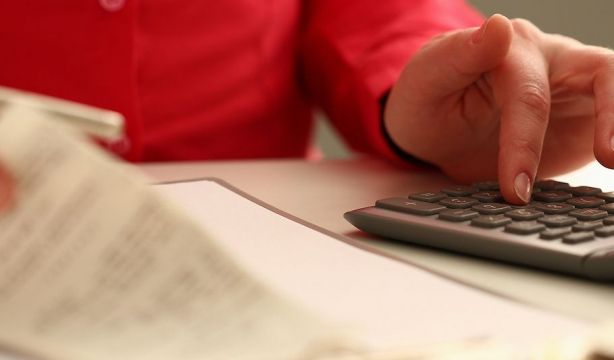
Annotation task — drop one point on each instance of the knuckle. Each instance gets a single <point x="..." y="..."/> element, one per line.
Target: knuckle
<point x="529" y="149"/>
<point x="523" y="25"/>
<point x="525" y="29"/>
<point x="605" y="59"/>
<point x="536" y="101"/>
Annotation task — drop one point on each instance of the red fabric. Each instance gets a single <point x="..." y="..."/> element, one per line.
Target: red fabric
<point x="201" y="79"/>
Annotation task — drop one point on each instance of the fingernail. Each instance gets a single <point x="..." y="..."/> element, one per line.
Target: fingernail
<point x="522" y="187"/>
<point x="478" y="35"/>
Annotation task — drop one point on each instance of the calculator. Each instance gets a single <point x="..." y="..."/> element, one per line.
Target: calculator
<point x="564" y="228"/>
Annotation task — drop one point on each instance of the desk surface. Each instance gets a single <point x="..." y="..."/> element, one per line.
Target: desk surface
<point x="320" y="192"/>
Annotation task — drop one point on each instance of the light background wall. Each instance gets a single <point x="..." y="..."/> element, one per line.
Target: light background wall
<point x="591" y="21"/>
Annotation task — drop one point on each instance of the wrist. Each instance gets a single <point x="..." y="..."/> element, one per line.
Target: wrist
<point x="396" y="149"/>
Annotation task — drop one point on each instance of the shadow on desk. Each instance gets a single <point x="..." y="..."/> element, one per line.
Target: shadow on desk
<point x="566" y="294"/>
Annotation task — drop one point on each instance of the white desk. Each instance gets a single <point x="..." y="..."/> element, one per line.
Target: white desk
<point x="320" y="192"/>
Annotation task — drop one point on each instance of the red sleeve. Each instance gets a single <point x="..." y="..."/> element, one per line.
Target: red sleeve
<point x="354" y="50"/>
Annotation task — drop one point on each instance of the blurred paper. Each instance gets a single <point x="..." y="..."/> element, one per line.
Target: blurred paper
<point x="95" y="264"/>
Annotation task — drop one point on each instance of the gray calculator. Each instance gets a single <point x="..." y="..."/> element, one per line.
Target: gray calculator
<point x="565" y="229"/>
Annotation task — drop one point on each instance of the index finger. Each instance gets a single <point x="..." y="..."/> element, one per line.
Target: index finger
<point x="603" y="87"/>
<point x="523" y="93"/>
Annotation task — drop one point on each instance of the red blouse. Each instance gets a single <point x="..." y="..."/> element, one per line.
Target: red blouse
<point x="200" y="79"/>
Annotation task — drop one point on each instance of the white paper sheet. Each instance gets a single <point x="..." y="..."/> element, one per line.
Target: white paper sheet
<point x="387" y="302"/>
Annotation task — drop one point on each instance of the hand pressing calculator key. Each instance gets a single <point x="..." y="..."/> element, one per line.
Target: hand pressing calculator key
<point x="565" y="229"/>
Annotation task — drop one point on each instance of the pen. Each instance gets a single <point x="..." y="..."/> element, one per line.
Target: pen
<point x="100" y="123"/>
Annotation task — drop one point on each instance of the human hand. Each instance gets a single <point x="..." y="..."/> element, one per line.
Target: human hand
<point x="505" y="102"/>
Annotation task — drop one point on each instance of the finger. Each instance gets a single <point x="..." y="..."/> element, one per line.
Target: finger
<point x="522" y="90"/>
<point x="603" y="88"/>
<point x="458" y="60"/>
<point x="7" y="189"/>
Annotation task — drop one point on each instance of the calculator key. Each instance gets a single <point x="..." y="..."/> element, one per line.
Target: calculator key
<point x="609" y="220"/>
<point x="605" y="231"/>
<point x="490" y="221"/>
<point x="587" y="226"/>
<point x="551" y="185"/>
<point x="608" y="207"/>
<point x="486" y="185"/>
<point x="459" y="190"/>
<point x="584" y="191"/>
<point x="459" y="202"/>
<point x="578" y="237"/>
<point x="607" y="196"/>
<point x="431" y="197"/>
<point x="488" y="196"/>
<point x="514" y="206"/>
<point x="525" y="227"/>
<point x="491" y="208"/>
<point x="586" y="201"/>
<point x="554" y="208"/>
<point x="552" y="196"/>
<point x="557" y="220"/>
<point x="524" y="214"/>
<point x="589" y="214"/>
<point x="530" y="205"/>
<point x="410" y="206"/>
<point x="551" y="234"/>
<point x="457" y="215"/>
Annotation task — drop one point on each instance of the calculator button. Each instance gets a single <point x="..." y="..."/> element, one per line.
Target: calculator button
<point x="586" y="201"/>
<point x="587" y="226"/>
<point x="554" y="208"/>
<point x="488" y="196"/>
<point x="459" y="190"/>
<point x="589" y="214"/>
<point x="457" y="215"/>
<point x="609" y="220"/>
<point x="557" y="220"/>
<point x="585" y="191"/>
<point x="428" y="197"/>
<point x="486" y="185"/>
<point x="514" y="206"/>
<point x="551" y="196"/>
<point x="608" y="207"/>
<point x="459" y="202"/>
<point x="551" y="185"/>
<point x="551" y="234"/>
<point x="409" y="206"/>
<point x="524" y="214"/>
<point x="525" y="227"/>
<point x="530" y="205"/>
<point x="578" y="237"/>
<point x="491" y="208"/>
<point x="607" y="196"/>
<point x="490" y="221"/>
<point x="605" y="231"/>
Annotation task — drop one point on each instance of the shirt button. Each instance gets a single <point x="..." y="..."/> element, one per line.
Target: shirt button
<point x="112" y="5"/>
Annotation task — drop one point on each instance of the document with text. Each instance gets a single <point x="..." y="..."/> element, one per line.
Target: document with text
<point x="94" y="264"/>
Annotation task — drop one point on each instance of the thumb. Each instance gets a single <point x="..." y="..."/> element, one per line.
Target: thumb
<point x="459" y="59"/>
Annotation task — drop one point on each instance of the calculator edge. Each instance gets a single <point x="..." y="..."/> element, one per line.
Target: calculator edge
<point x="597" y="264"/>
